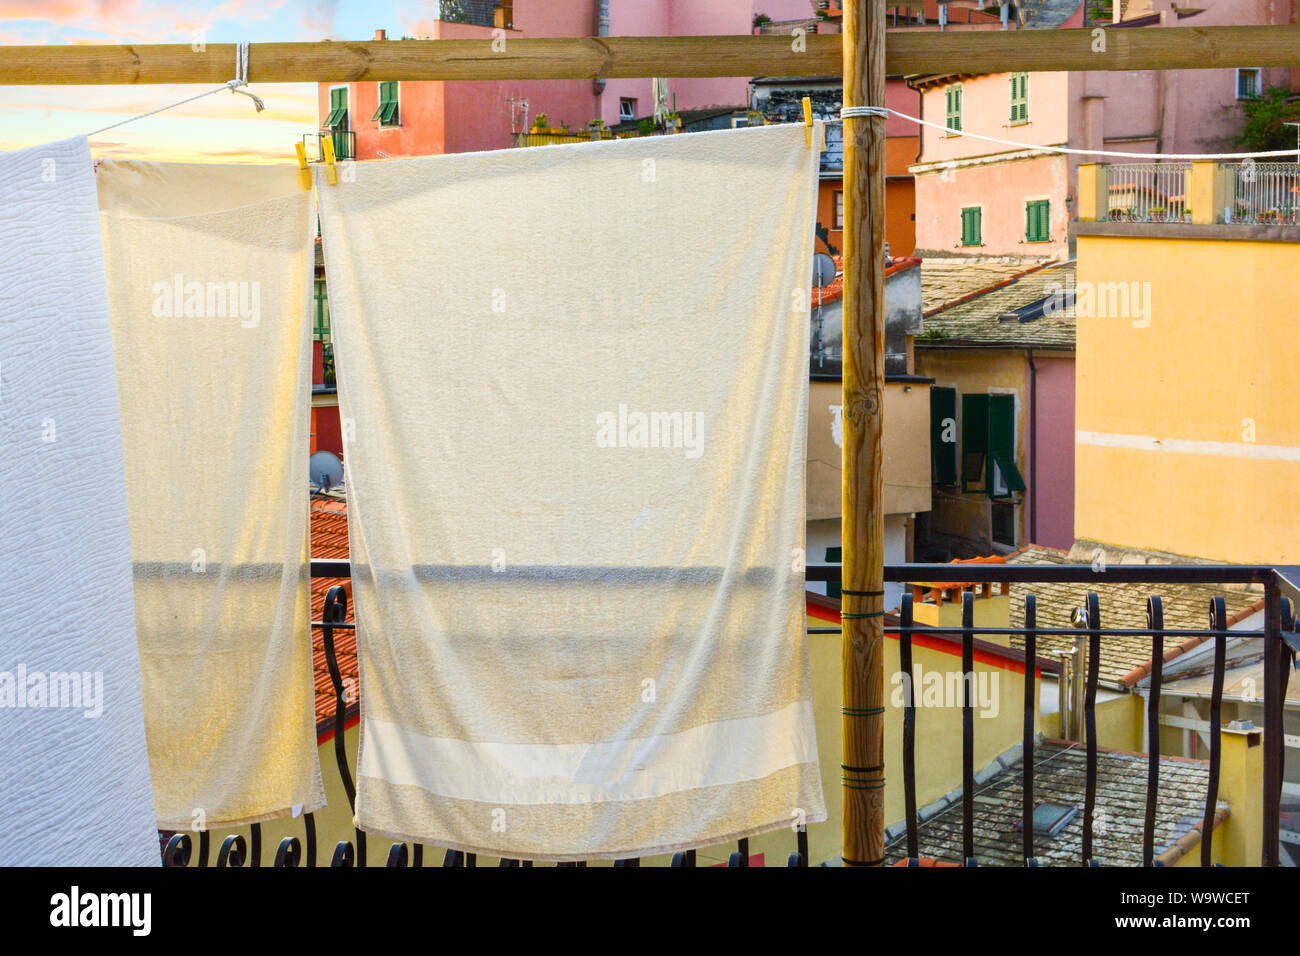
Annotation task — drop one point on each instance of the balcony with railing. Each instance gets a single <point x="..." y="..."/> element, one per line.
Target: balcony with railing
<point x="343" y="140"/>
<point x="1245" y="193"/>
<point x="1069" y="801"/>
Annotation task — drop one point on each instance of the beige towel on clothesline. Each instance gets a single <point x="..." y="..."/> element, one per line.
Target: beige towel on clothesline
<point x="210" y="271"/>
<point x="574" y="387"/>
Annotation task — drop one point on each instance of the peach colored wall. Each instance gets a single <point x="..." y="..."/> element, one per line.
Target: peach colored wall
<point x="1002" y="190"/>
<point x="986" y="109"/>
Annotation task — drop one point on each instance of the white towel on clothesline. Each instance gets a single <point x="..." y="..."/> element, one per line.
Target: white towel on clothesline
<point x="574" y="385"/>
<point x="210" y="272"/>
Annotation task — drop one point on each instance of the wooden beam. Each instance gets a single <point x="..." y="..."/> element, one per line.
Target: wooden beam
<point x="862" y="524"/>
<point x="954" y="51"/>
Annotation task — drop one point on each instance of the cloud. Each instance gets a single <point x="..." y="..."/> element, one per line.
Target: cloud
<point x="127" y="21"/>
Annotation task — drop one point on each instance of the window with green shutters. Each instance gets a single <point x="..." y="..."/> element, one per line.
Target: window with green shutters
<point x="988" y="444"/>
<point x="970" y="226"/>
<point x="387" y="114"/>
<point x="943" y="435"/>
<point x="338" y="114"/>
<point x="321" y="325"/>
<point x="954" y="108"/>
<point x="974" y="441"/>
<point x="1038" y="220"/>
<point x="1019" y="98"/>
<point x="1004" y="477"/>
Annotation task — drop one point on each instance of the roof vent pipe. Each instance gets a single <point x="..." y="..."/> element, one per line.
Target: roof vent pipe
<point x="602" y="30"/>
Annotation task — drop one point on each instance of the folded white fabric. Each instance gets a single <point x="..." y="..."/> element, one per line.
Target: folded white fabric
<point x="209" y="277"/>
<point x="574" y="395"/>
<point x="74" y="769"/>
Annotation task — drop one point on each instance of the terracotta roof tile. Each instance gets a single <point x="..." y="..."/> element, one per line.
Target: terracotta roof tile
<point x="963" y="301"/>
<point x="329" y="539"/>
<point x="1060" y="776"/>
<point x="1124" y="660"/>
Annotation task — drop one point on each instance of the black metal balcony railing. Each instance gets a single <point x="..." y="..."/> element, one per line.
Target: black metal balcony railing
<point x="1277" y="636"/>
<point x="345" y="144"/>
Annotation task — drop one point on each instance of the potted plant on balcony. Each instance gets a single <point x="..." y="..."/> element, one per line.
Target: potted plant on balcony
<point x="540" y="122"/>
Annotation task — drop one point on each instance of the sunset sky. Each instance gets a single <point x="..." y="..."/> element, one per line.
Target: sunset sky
<point x="224" y="127"/>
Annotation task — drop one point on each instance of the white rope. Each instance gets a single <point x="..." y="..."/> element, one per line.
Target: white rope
<point x="850" y="112"/>
<point x="241" y="79"/>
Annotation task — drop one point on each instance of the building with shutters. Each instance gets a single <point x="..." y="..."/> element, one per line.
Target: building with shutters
<point x="998" y="344"/>
<point x="1017" y="198"/>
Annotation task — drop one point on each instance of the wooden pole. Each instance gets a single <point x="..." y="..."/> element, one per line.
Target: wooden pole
<point x="982" y="51"/>
<point x="862" y="522"/>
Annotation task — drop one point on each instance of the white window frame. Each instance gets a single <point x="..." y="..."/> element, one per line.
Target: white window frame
<point x="626" y="117"/>
<point x="837" y="210"/>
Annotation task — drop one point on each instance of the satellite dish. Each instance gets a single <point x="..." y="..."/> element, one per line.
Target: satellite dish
<point x="823" y="270"/>
<point x="325" y="470"/>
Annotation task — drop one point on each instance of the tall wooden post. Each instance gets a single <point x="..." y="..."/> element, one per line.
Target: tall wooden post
<point x="862" y="524"/>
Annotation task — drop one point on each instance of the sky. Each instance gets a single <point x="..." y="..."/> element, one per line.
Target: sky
<point x="224" y="127"/>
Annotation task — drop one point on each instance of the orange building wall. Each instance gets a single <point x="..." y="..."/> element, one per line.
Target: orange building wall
<point x="900" y="200"/>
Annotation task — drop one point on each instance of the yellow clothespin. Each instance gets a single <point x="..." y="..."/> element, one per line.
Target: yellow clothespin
<point x="331" y="171"/>
<point x="807" y="120"/>
<point x="304" y="174"/>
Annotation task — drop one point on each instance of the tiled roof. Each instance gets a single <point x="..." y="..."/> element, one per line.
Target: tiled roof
<point x="1060" y="777"/>
<point x="835" y="291"/>
<point x="964" y="300"/>
<point x="329" y="539"/>
<point x="1124" y="660"/>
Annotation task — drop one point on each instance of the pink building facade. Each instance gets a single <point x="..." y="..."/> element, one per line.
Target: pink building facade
<point x="437" y="117"/>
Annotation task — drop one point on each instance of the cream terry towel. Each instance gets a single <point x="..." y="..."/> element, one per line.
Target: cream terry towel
<point x="74" y="770"/>
<point x="209" y="278"/>
<point x="574" y="388"/>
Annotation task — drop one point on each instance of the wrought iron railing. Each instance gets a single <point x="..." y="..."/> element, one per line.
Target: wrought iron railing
<point x="1277" y="637"/>
<point x="1147" y="192"/>
<point x="1277" y="655"/>
<point x="1263" y="193"/>
<point x="345" y="144"/>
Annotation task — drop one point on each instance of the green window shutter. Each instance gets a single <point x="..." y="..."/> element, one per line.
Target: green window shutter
<point x="1038" y="220"/>
<point x="338" y="114"/>
<point x="386" y="112"/>
<point x="833" y="556"/>
<point x="974" y="441"/>
<point x="943" y="418"/>
<point x="321" y="327"/>
<point x="1019" y="97"/>
<point x="954" y="107"/>
<point x="970" y="226"/>
<point x="1004" y="478"/>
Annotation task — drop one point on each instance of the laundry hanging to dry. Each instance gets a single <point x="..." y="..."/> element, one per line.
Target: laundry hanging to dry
<point x="209" y="278"/>
<point x="74" y="770"/>
<point x="573" y="384"/>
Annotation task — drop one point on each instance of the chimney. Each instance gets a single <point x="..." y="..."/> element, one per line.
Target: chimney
<point x="381" y="35"/>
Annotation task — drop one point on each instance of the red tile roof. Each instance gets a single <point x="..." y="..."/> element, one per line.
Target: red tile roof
<point x="329" y="539"/>
<point x="835" y="291"/>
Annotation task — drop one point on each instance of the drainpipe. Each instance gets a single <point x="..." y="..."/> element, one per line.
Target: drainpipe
<point x="1033" y="449"/>
<point x="602" y="30"/>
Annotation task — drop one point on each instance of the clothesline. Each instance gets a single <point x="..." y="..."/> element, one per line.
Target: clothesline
<point x="853" y="112"/>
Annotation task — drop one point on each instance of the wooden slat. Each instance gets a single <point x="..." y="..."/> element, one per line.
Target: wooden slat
<point x="954" y="51"/>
